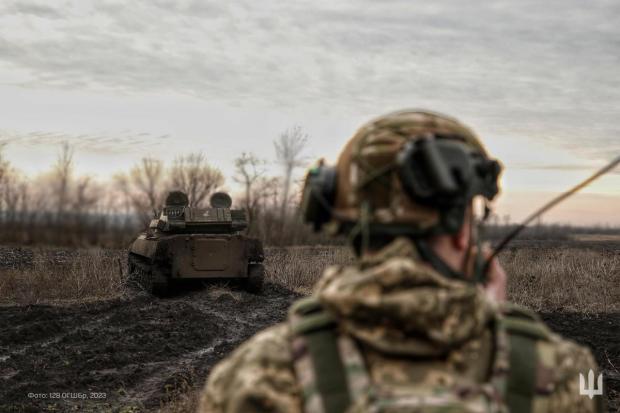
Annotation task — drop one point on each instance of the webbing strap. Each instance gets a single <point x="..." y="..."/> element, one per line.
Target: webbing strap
<point x="522" y="373"/>
<point x="329" y="373"/>
<point x="317" y="327"/>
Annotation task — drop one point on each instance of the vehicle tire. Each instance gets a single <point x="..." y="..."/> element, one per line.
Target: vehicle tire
<point x="256" y="277"/>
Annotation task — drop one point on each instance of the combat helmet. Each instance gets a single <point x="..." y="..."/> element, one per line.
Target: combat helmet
<point x="406" y="173"/>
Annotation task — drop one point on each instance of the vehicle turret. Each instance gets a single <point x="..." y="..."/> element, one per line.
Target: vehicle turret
<point x="178" y="216"/>
<point x="190" y="243"/>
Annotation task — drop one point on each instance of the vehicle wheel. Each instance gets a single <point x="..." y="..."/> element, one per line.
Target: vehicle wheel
<point x="140" y="277"/>
<point x="256" y="276"/>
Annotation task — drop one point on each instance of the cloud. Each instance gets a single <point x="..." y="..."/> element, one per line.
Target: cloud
<point x="497" y="64"/>
<point x="32" y="8"/>
<point x="104" y="143"/>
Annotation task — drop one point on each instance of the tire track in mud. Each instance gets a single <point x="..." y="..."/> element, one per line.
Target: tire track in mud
<point x="140" y="351"/>
<point x="143" y="351"/>
<point x="55" y="338"/>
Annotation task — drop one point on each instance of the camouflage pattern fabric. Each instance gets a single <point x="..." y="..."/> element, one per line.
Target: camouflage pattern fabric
<point x="367" y="176"/>
<point x="425" y="344"/>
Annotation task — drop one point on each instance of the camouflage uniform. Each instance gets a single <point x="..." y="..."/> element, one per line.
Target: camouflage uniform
<point x="423" y="341"/>
<point x="392" y="334"/>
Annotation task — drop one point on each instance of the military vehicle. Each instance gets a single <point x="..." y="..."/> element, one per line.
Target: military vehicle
<point x="189" y="243"/>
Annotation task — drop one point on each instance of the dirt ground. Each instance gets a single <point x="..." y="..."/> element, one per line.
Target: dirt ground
<point x="143" y="352"/>
<point x="600" y="332"/>
<point x="139" y="353"/>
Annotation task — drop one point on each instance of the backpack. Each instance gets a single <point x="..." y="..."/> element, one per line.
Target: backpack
<point x="333" y="376"/>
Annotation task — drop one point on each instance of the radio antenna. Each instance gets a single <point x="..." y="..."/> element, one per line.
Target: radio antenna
<point x="547" y="207"/>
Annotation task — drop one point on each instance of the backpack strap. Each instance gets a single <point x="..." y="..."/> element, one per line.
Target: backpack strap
<point x="527" y="380"/>
<point x="317" y="358"/>
<point x="331" y="371"/>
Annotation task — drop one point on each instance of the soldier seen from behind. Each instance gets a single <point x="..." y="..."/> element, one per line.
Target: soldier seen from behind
<point x="419" y="323"/>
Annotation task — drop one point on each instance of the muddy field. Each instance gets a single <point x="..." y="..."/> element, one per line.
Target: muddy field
<point x="140" y="353"/>
<point x="131" y="355"/>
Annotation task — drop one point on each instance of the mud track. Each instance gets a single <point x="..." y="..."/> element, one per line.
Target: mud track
<point x="143" y="352"/>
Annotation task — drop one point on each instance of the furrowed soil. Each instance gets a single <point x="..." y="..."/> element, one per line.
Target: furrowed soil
<point x="143" y="353"/>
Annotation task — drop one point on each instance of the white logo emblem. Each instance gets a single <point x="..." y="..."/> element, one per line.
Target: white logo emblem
<point x="590" y="391"/>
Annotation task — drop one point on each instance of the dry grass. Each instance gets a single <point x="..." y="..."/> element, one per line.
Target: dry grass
<point x="218" y="291"/>
<point x="51" y="276"/>
<point x="298" y="268"/>
<point x="544" y="279"/>
<point x="564" y="279"/>
<point x="182" y="403"/>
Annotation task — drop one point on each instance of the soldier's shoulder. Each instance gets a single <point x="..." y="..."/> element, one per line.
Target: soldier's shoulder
<point x="257" y="376"/>
<point x="568" y="355"/>
<point x="571" y="358"/>
<point x="559" y="363"/>
<point x="567" y="361"/>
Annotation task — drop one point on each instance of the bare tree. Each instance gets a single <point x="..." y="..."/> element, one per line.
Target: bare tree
<point x="120" y="183"/>
<point x="11" y="194"/>
<point x="248" y="171"/>
<point x="62" y="175"/>
<point x="13" y="204"/>
<point x="121" y="199"/>
<point x="194" y="176"/>
<point x="4" y="172"/>
<point x="4" y="164"/>
<point x="289" y="147"/>
<point x="85" y="195"/>
<point x="146" y="181"/>
<point x="265" y="195"/>
<point x="13" y="199"/>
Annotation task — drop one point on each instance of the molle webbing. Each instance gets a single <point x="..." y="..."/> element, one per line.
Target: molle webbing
<point x="522" y="378"/>
<point x="330" y="391"/>
<point x="524" y="331"/>
<point x="317" y="327"/>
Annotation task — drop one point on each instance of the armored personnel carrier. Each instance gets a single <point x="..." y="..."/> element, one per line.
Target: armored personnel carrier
<point x="189" y="243"/>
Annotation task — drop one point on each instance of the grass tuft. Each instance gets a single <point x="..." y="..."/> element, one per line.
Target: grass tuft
<point x="544" y="279"/>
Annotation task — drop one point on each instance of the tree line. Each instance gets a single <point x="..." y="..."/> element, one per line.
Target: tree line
<point x="62" y="208"/>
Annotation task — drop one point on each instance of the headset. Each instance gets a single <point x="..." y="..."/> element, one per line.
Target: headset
<point x="436" y="170"/>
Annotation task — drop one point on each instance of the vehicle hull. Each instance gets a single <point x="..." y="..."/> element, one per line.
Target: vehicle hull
<point x="196" y="256"/>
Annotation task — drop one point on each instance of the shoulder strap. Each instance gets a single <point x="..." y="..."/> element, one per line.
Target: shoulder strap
<point x="316" y="348"/>
<point x="525" y="330"/>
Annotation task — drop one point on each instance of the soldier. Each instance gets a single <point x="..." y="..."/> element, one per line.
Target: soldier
<point x="419" y="323"/>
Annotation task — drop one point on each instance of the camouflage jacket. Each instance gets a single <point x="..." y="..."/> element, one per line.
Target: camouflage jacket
<point x="410" y="340"/>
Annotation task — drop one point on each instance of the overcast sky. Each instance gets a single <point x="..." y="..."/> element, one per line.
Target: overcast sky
<point x="539" y="81"/>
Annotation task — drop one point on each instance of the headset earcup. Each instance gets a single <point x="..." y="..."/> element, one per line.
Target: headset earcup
<point x="319" y="195"/>
<point x="435" y="172"/>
